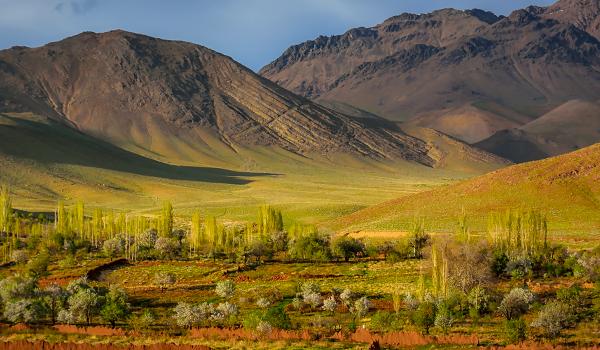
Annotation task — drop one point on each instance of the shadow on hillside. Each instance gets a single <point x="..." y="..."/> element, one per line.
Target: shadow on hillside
<point x="53" y="143"/>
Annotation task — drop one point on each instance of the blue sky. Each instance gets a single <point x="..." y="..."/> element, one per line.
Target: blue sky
<point x="254" y="32"/>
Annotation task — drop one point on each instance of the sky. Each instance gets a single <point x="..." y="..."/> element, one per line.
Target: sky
<point x="253" y="32"/>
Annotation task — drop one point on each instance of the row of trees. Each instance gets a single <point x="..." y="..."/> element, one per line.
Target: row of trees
<point x="24" y="301"/>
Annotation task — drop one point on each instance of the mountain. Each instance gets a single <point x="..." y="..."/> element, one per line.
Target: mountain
<point x="570" y="126"/>
<point x="140" y="93"/>
<point x="566" y="188"/>
<point x="126" y="120"/>
<point x="467" y="73"/>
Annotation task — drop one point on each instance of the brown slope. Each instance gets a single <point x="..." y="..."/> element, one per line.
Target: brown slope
<point x="573" y="125"/>
<point x="467" y="123"/>
<point x="527" y="62"/>
<point x="567" y="188"/>
<point x="164" y="98"/>
<point x="582" y="13"/>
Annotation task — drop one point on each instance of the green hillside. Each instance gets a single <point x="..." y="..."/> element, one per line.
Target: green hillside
<point x="44" y="160"/>
<point x="566" y="188"/>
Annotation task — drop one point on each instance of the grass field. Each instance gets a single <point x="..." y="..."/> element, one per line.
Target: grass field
<point x="565" y="188"/>
<point x="43" y="161"/>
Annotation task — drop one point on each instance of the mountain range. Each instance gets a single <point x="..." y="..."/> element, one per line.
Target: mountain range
<point x="470" y="74"/>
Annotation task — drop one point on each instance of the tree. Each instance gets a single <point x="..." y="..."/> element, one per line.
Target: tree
<point x="225" y="289"/>
<point x="38" y="265"/>
<point x="112" y="247"/>
<point x="418" y="238"/>
<point x="82" y="306"/>
<point x="186" y="315"/>
<point x="24" y="310"/>
<point x="164" y="279"/>
<point x="515" y="330"/>
<point x="515" y="303"/>
<point x="347" y="248"/>
<point x="115" y="306"/>
<point x="168" y="248"/>
<point x="55" y="298"/>
<point x="444" y="319"/>
<point x="553" y="318"/>
<point x="361" y="307"/>
<point x="165" y="221"/>
<point x="19" y="257"/>
<point x="330" y="304"/>
<point x="17" y="287"/>
<point x="143" y="321"/>
<point x="312" y="246"/>
<point x="424" y="316"/>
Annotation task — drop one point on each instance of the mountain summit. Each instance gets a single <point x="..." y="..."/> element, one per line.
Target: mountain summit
<point x="466" y="73"/>
<point x="142" y="93"/>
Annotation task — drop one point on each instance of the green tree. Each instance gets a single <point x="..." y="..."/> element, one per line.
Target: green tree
<point x="347" y="248"/>
<point x="116" y="307"/>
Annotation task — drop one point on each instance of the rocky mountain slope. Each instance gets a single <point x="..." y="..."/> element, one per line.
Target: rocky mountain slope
<point x="467" y="73"/>
<point x="167" y="98"/>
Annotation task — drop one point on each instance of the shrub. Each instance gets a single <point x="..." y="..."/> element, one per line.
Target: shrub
<point x="143" y="321"/>
<point x="411" y="302"/>
<point x="361" y="307"/>
<point x="277" y="317"/>
<point x="19" y="257"/>
<point x="499" y="262"/>
<point x="24" y="310"/>
<point x="444" y="319"/>
<point x="347" y="248"/>
<point x="346" y="297"/>
<point x="38" y="265"/>
<point x="312" y="247"/>
<point x="225" y="289"/>
<point x="519" y="268"/>
<point x="168" y="248"/>
<point x="515" y="303"/>
<point x="384" y="321"/>
<point x="553" y="318"/>
<point x="164" y="279"/>
<point x="187" y="315"/>
<point x="424" y="316"/>
<point x="115" y="306"/>
<point x="515" y="330"/>
<point x="330" y="304"/>
<point x="112" y="247"/>
<point x="478" y="300"/>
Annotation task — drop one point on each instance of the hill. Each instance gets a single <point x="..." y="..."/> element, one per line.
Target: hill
<point x="568" y="127"/>
<point x="566" y="187"/>
<point x="467" y="73"/>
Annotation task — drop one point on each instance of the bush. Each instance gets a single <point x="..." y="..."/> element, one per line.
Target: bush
<point x="444" y="319"/>
<point x="385" y="321"/>
<point x="478" y="300"/>
<point x="515" y="330"/>
<point x="24" y="310"/>
<point x="38" y="265"/>
<point x="164" y="279"/>
<point x="361" y="307"/>
<point x="312" y="247"/>
<point x="347" y="248"/>
<point x="519" y="268"/>
<point x="225" y="289"/>
<point x="515" y="303"/>
<point x="553" y="318"/>
<point x="112" y="247"/>
<point x="115" y="306"/>
<point x="19" y="257"/>
<point x="143" y="321"/>
<point x="499" y="262"/>
<point x="277" y="317"/>
<point x="330" y="304"/>
<point x="168" y="248"/>
<point x="424" y="316"/>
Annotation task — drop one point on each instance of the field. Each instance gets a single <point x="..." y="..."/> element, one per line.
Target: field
<point x="43" y="161"/>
